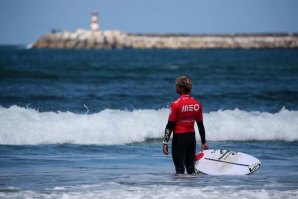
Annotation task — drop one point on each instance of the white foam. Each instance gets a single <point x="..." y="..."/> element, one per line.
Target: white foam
<point x="116" y="190"/>
<point x="28" y="126"/>
<point x="241" y="125"/>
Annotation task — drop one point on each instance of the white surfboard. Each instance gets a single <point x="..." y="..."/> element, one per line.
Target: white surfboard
<point x="224" y="162"/>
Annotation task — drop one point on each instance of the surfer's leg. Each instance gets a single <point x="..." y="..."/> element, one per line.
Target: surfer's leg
<point x="190" y="153"/>
<point x="178" y="154"/>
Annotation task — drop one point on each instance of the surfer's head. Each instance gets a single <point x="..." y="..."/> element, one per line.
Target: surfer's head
<point x="183" y="84"/>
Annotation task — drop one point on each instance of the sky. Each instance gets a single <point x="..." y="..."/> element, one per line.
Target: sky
<point x="24" y="21"/>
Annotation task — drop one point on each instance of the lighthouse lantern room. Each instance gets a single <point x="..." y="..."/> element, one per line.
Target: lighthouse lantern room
<point x="94" y="22"/>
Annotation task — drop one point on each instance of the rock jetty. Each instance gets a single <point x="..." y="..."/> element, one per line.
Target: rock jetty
<point x="85" y="39"/>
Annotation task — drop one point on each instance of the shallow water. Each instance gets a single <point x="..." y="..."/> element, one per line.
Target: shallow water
<point x="140" y="170"/>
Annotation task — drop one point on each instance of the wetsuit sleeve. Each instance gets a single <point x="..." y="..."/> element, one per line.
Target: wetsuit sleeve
<point x="168" y="131"/>
<point x="171" y="123"/>
<point x="202" y="131"/>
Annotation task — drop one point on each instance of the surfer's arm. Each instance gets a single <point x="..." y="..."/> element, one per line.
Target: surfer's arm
<point x="168" y="131"/>
<point x="202" y="131"/>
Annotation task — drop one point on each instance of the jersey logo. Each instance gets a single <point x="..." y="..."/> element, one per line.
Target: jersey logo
<point x="190" y="107"/>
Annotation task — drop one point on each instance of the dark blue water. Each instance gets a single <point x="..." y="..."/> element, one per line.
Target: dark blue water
<point x="49" y="80"/>
<point x="89" y="123"/>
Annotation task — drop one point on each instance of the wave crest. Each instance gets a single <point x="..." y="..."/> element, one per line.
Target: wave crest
<point x="21" y="126"/>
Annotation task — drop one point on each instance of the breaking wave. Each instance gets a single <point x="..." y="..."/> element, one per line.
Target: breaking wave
<point x="22" y="126"/>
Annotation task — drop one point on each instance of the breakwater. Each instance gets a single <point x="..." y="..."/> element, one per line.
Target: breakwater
<point x="84" y="39"/>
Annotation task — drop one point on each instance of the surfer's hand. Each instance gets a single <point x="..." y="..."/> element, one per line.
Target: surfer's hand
<point x="204" y="146"/>
<point x="165" y="149"/>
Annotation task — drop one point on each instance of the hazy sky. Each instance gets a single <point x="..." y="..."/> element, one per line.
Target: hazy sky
<point x="24" y="21"/>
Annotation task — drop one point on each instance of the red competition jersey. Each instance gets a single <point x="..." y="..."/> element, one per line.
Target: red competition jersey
<point x="184" y="112"/>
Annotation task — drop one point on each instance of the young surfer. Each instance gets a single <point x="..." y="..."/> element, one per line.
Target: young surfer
<point x="185" y="111"/>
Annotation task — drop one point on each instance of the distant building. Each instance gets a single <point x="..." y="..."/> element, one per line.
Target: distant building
<point x="94" y="22"/>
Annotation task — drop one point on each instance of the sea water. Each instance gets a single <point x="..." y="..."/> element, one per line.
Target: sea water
<point x="89" y="123"/>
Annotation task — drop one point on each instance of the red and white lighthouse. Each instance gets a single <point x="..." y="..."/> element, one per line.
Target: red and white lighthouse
<point x="94" y="22"/>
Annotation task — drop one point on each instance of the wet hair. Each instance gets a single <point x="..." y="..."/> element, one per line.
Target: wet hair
<point x="184" y="82"/>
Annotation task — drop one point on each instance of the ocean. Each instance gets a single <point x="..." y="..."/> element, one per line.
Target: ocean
<point x="90" y="123"/>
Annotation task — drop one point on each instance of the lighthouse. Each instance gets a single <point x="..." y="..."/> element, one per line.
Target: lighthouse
<point x="94" y="22"/>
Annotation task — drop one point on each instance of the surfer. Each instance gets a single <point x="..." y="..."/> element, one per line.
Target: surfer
<point x="185" y="111"/>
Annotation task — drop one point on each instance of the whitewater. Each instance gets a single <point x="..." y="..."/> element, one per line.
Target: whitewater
<point x="27" y="126"/>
